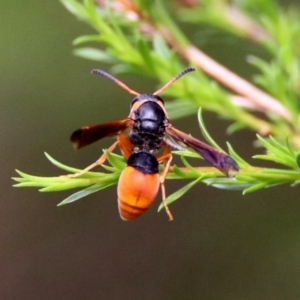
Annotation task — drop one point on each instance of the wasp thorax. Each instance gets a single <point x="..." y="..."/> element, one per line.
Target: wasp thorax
<point x="148" y="129"/>
<point x="150" y="117"/>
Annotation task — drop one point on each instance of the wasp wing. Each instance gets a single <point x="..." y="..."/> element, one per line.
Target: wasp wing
<point x="218" y="159"/>
<point x="90" y="134"/>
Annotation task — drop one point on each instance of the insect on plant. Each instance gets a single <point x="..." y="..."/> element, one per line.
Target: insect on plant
<point x="140" y="136"/>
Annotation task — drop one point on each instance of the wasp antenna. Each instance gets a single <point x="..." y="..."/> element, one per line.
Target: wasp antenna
<point x="116" y="81"/>
<point x="183" y="72"/>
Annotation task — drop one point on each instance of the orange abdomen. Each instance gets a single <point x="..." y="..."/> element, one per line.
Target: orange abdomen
<point x="136" y="192"/>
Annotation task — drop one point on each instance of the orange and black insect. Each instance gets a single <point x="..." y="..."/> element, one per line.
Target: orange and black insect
<point x="140" y="137"/>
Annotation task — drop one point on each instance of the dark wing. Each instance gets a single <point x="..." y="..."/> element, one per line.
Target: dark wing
<point x="218" y="159"/>
<point x="90" y="134"/>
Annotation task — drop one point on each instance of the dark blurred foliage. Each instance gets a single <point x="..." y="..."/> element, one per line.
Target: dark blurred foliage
<point x="221" y="245"/>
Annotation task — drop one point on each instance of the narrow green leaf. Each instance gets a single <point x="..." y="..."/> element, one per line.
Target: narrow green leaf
<point x="273" y="146"/>
<point x="288" y="146"/>
<point x="189" y="166"/>
<point x="280" y="156"/>
<point x="205" y="132"/>
<point x="179" y="173"/>
<point x="241" y="162"/>
<point x="255" y="188"/>
<point x="295" y="183"/>
<point x="28" y="184"/>
<point x="187" y="153"/>
<point x="90" y="190"/>
<point x="86" y="38"/>
<point x="90" y="6"/>
<point x="283" y="161"/>
<point x="117" y="161"/>
<point x="234" y="127"/>
<point x="282" y="148"/>
<point x="39" y="179"/>
<point x="298" y="159"/>
<point x="72" y="170"/>
<point x="58" y="183"/>
<point x="173" y="197"/>
<point x="110" y="169"/>
<point x="75" y="8"/>
<point x="71" y="184"/>
<point x="18" y="179"/>
<point x="227" y="183"/>
<point x="246" y="178"/>
<point x="161" y="48"/>
<point x="94" y="54"/>
<point x="280" y="172"/>
<point x="145" y="52"/>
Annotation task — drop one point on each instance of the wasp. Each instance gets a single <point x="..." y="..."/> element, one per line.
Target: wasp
<point x="140" y="136"/>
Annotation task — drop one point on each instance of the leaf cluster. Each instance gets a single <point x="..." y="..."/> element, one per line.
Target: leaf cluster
<point x="249" y="179"/>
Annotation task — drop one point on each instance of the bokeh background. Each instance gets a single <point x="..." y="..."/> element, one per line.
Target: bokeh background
<point x="221" y="245"/>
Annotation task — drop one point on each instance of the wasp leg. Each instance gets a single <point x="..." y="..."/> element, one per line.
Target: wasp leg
<point x="125" y="145"/>
<point x="98" y="162"/>
<point x="167" y="158"/>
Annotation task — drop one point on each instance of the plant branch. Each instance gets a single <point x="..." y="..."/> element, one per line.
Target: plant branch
<point x="257" y="99"/>
<point x="138" y="36"/>
<point x="244" y="24"/>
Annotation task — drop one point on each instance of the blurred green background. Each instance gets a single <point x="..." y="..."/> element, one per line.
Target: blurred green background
<point x="221" y="245"/>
